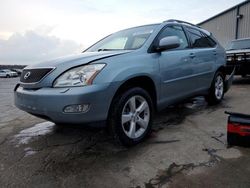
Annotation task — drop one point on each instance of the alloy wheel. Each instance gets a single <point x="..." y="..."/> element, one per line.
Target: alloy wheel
<point x="135" y="117"/>
<point x="219" y="87"/>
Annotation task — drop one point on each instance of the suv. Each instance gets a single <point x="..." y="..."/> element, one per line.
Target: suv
<point x="125" y="77"/>
<point x="238" y="55"/>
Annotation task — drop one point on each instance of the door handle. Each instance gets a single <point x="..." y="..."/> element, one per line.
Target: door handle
<point x="192" y="55"/>
<point x="214" y="51"/>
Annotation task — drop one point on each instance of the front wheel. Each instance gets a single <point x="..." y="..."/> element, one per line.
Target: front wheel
<point x="217" y="90"/>
<point x="130" y="117"/>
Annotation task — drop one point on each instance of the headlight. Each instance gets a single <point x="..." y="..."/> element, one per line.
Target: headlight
<point x="230" y="58"/>
<point x="240" y="58"/>
<point x="247" y="56"/>
<point x="79" y="76"/>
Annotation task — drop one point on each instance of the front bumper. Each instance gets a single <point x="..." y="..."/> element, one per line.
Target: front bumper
<point x="49" y="103"/>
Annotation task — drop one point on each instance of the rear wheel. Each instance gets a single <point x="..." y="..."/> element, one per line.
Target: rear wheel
<point x="130" y="116"/>
<point x="217" y="90"/>
<point x="7" y="76"/>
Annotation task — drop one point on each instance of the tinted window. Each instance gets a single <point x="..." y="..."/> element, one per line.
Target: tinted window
<point x="200" y="40"/>
<point x="174" y="31"/>
<point x="211" y="41"/>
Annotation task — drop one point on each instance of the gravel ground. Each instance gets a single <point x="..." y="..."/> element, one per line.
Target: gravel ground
<point x="186" y="149"/>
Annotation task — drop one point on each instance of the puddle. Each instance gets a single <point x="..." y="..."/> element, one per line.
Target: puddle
<point x="26" y="135"/>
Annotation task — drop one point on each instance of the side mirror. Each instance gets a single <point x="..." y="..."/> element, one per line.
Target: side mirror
<point x="168" y="43"/>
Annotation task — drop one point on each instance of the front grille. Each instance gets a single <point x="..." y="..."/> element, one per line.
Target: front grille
<point x="34" y="75"/>
<point x="238" y="58"/>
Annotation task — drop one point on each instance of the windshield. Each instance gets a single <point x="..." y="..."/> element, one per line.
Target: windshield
<point x="239" y="44"/>
<point x="129" y="39"/>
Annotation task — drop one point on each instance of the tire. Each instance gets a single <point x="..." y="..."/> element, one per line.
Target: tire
<point x="217" y="89"/>
<point x="7" y="76"/>
<point x="127" y="123"/>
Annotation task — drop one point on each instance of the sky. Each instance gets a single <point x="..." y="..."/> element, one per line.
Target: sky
<point x="33" y="31"/>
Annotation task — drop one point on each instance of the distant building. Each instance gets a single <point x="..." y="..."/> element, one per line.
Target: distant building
<point x="231" y="24"/>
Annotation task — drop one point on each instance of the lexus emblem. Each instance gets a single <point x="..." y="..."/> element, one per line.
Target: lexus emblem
<point x="27" y="75"/>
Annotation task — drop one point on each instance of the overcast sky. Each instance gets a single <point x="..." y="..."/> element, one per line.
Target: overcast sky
<point x="36" y="30"/>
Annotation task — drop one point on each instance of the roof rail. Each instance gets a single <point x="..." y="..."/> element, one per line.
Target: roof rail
<point x="179" y="21"/>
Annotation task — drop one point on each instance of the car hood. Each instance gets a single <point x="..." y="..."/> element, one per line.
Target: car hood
<point x="76" y="60"/>
<point x="238" y="51"/>
<point x="63" y="64"/>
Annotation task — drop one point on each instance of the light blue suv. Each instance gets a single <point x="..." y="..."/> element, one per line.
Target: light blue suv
<point x="125" y="77"/>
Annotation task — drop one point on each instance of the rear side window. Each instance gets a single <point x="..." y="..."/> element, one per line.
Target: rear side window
<point x="199" y="39"/>
<point x="174" y="30"/>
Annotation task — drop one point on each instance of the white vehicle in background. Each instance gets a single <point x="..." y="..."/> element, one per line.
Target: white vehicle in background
<point x="6" y="73"/>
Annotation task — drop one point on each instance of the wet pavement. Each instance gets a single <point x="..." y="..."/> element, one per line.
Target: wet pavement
<point x="187" y="148"/>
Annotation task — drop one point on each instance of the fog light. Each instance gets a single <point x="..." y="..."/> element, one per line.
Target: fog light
<point x="76" y="108"/>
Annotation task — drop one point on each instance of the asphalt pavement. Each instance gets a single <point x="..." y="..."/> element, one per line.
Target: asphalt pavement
<point x="187" y="148"/>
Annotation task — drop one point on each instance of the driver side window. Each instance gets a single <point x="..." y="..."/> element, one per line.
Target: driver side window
<point x="174" y="30"/>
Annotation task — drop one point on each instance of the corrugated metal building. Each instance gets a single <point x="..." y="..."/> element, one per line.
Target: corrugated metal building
<point x="233" y="23"/>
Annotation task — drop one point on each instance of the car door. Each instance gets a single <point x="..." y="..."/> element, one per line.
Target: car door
<point x="175" y="67"/>
<point x="203" y="57"/>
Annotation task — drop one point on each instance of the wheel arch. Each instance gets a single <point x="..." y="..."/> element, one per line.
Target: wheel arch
<point x="144" y="82"/>
<point x="221" y="69"/>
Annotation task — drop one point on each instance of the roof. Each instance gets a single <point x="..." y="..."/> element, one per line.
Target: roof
<point x="180" y="22"/>
<point x="225" y="11"/>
